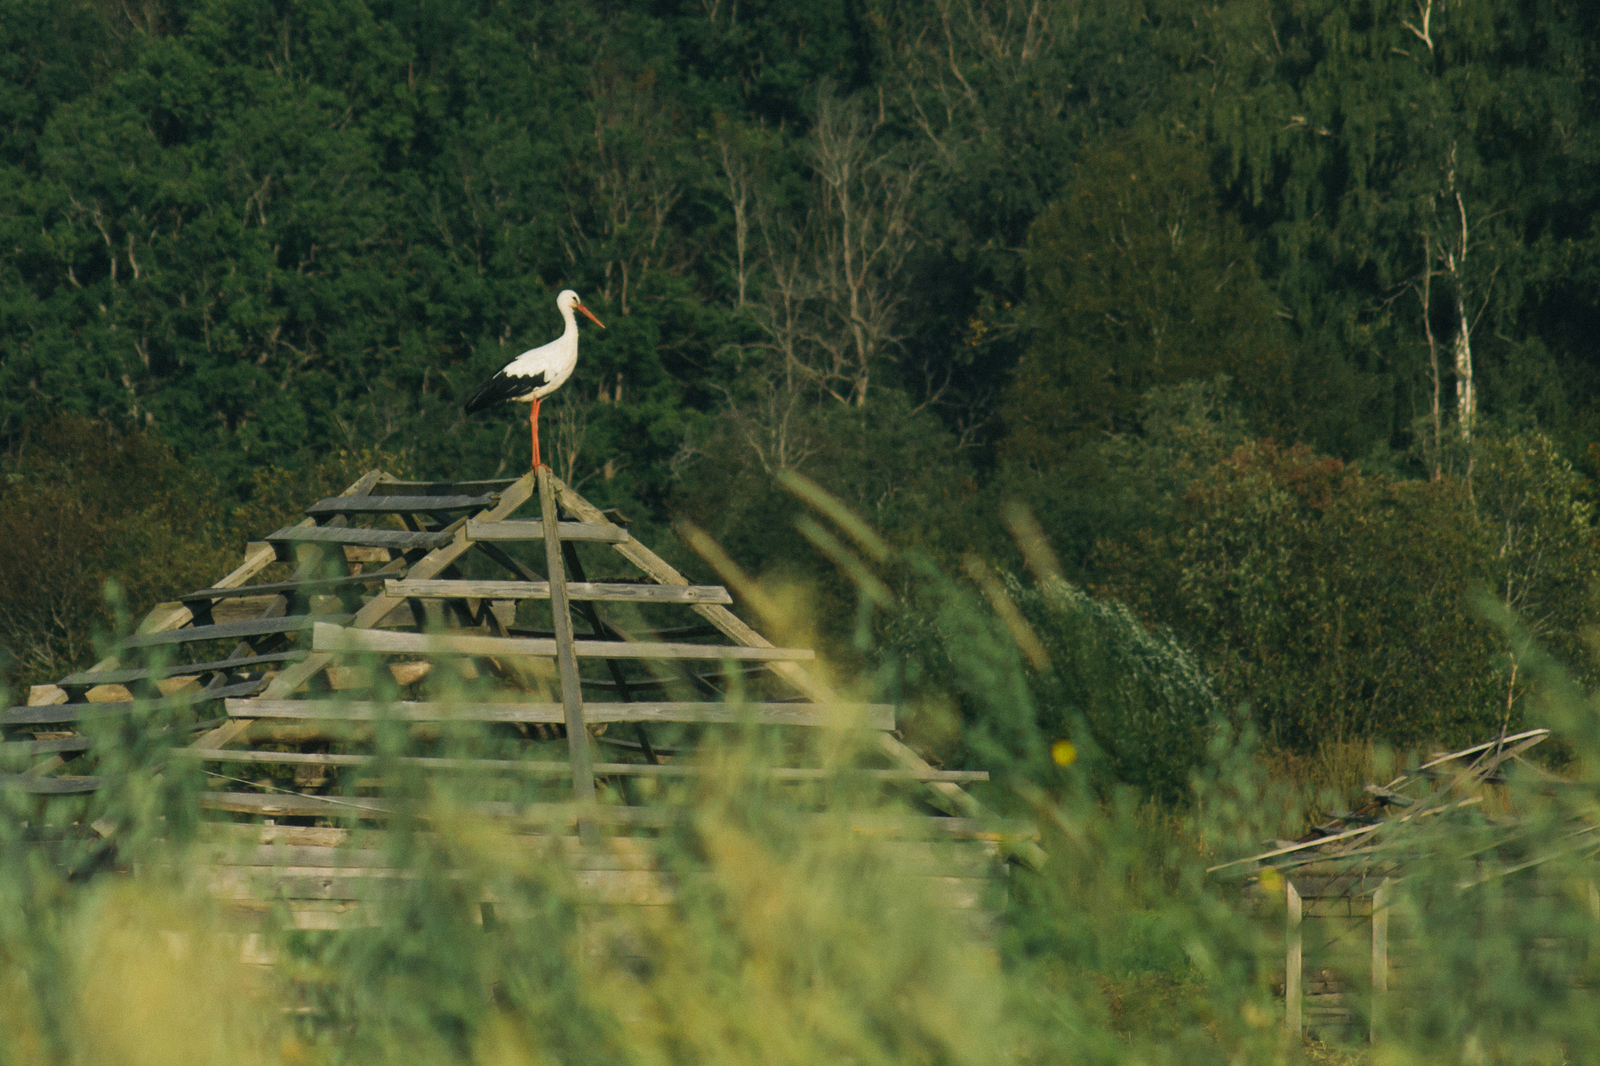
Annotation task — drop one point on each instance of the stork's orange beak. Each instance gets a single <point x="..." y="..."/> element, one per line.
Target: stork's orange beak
<point x="589" y="315"/>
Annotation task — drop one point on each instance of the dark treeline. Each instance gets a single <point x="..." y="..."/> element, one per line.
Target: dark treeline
<point x="1282" y="317"/>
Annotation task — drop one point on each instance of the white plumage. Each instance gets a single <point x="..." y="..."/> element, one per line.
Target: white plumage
<point x="536" y="373"/>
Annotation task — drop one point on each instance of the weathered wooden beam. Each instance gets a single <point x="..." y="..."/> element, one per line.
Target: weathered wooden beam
<point x="401" y="487"/>
<point x="277" y="588"/>
<point x="604" y="532"/>
<point x="392" y="539"/>
<point x="616" y="592"/>
<point x="54" y="745"/>
<point x="397" y="504"/>
<point x="250" y="627"/>
<point x="871" y="715"/>
<point x="550" y="768"/>
<point x="119" y="677"/>
<point x="555" y="816"/>
<point x="333" y="638"/>
<point x="48" y="786"/>
<point x="77" y="712"/>
<point x="566" y="657"/>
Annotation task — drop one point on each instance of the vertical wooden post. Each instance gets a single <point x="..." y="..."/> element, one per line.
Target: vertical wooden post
<point x="1293" y="965"/>
<point x="1380" y="957"/>
<point x="566" y="658"/>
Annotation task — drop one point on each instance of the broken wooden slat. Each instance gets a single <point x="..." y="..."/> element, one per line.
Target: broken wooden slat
<point x="252" y="627"/>
<point x="332" y="638"/>
<point x="77" y="712"/>
<point x="576" y="590"/>
<point x="118" y="677"/>
<point x="872" y="715"/>
<point x="397" y="504"/>
<point x="604" y="532"/>
<point x="392" y="539"/>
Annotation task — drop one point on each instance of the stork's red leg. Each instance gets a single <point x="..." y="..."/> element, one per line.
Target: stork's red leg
<point x="533" y="422"/>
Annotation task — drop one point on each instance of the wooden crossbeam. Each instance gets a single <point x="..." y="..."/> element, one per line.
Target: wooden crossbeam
<point x="278" y="588"/>
<point x="249" y="627"/>
<point x="872" y="715"/>
<point x="77" y="712"/>
<point x="120" y="677"/>
<point x="559" y="815"/>
<point x="393" y="539"/>
<point x="396" y="504"/>
<point x="48" y="786"/>
<point x="550" y="768"/>
<point x="332" y="638"/>
<point x="604" y="532"/>
<point x="399" y="487"/>
<point x="576" y="590"/>
<point x="53" y="746"/>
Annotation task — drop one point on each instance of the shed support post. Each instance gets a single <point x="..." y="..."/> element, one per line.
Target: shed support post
<point x="1380" y="958"/>
<point x="1293" y="963"/>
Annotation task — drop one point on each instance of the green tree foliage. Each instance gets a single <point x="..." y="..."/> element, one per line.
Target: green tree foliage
<point x="80" y="507"/>
<point x="1136" y="278"/>
<point x="1344" y="605"/>
<point x="930" y="254"/>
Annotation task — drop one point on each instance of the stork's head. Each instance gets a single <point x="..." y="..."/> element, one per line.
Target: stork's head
<point x="568" y="301"/>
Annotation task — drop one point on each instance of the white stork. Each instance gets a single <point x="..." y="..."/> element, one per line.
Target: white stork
<point x="536" y="373"/>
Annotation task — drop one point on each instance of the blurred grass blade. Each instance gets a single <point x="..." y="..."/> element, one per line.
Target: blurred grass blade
<point x="996" y="594"/>
<point x="830" y="505"/>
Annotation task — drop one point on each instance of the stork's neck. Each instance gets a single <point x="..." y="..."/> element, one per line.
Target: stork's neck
<point x="571" y="321"/>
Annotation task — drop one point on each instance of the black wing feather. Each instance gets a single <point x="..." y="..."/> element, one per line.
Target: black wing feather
<point x="503" y="387"/>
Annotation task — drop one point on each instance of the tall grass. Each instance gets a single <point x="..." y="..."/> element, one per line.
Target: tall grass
<point x="794" y="933"/>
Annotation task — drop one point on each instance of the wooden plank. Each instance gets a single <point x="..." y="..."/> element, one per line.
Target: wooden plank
<point x="118" y="677"/>
<point x="399" y="486"/>
<point x="78" y="712"/>
<point x="549" y="768"/>
<point x="278" y="588"/>
<point x="332" y="638"/>
<point x="48" y="786"/>
<point x="1293" y="966"/>
<point x="45" y="747"/>
<point x="435" y="563"/>
<point x="254" y="627"/>
<point x="614" y="592"/>
<point x="392" y="539"/>
<point x="875" y="716"/>
<point x="604" y="532"/>
<point x="566" y="659"/>
<point x="398" y="504"/>
<point x="548" y="817"/>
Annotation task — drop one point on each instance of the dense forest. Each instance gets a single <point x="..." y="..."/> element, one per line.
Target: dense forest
<point x="1281" y="318"/>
